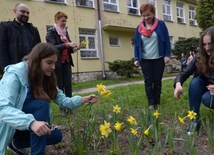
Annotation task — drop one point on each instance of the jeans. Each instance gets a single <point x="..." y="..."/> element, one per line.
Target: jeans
<point x="153" y="72"/>
<point x="199" y="93"/>
<point x="23" y="139"/>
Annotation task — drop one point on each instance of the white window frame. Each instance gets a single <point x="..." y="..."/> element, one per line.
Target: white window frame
<point x="109" y="3"/>
<point x="192" y="14"/>
<point x="167" y="9"/>
<point x="88" y="3"/>
<point x="88" y="49"/>
<point x="180" y="12"/>
<point x="133" y="10"/>
<point x="56" y="1"/>
<point x="117" y="41"/>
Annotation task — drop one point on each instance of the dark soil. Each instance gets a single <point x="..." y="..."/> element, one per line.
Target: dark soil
<point x="201" y="144"/>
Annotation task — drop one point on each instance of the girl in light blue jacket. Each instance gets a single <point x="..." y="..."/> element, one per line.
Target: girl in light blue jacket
<point x="26" y="90"/>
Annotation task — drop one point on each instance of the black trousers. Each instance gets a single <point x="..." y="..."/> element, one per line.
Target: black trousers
<point x="152" y="70"/>
<point x="64" y="76"/>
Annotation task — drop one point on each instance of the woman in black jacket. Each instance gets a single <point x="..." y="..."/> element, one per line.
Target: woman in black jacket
<point x="58" y="36"/>
<point x="201" y="88"/>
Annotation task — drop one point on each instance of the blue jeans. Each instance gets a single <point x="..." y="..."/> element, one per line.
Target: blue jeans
<point x="23" y="139"/>
<point x="199" y="93"/>
<point x="153" y="72"/>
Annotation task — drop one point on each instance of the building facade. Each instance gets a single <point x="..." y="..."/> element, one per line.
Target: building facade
<point x="108" y="25"/>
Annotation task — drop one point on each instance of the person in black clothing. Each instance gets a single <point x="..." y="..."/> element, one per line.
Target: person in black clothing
<point x="59" y="37"/>
<point x="18" y="37"/>
<point x="183" y="61"/>
<point x="201" y="88"/>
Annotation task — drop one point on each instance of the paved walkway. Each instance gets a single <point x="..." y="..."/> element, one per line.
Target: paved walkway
<point x="90" y="90"/>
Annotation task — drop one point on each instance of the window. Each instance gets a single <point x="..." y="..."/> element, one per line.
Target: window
<point x="181" y="38"/>
<point x="167" y="10"/>
<point x="192" y="20"/>
<point x="114" y="41"/>
<point x="180" y="13"/>
<point x="171" y="42"/>
<point x="90" y="50"/>
<point x="56" y="1"/>
<point x="86" y="3"/>
<point x="152" y="1"/>
<point x="132" y="6"/>
<point x="110" y="5"/>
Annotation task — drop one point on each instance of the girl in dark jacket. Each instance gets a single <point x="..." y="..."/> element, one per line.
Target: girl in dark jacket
<point x="201" y="88"/>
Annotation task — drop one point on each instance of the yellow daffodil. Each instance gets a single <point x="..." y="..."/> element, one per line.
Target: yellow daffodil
<point x="116" y="109"/>
<point x="118" y="126"/>
<point x="191" y="115"/>
<point x="132" y="120"/>
<point x="181" y="120"/>
<point x="133" y="131"/>
<point x="100" y="87"/>
<point x="146" y="132"/>
<point x="156" y="114"/>
<point x="84" y="43"/>
<point x="106" y="93"/>
<point x="105" y="129"/>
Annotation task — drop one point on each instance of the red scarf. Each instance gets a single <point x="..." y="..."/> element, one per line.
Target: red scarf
<point x="147" y="32"/>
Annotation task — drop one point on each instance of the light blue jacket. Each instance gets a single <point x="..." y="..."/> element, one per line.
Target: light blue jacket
<point x="13" y="91"/>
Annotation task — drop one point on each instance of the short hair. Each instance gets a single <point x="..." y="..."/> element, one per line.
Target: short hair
<point x="59" y="15"/>
<point x="147" y="6"/>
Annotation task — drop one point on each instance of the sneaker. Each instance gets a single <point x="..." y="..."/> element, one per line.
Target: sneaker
<point x="151" y="107"/>
<point x="11" y="147"/>
<point x="194" y="128"/>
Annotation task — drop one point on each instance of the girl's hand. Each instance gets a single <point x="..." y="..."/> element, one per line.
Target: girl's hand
<point x="90" y="99"/>
<point x="210" y="87"/>
<point x="178" y="90"/>
<point x="40" y="128"/>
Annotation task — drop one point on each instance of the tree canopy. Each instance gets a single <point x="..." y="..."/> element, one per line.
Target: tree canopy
<point x="205" y="13"/>
<point x="184" y="46"/>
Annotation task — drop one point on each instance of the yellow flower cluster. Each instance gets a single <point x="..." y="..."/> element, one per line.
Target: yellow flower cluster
<point x="191" y="115"/>
<point x="103" y="91"/>
<point x="105" y="128"/>
<point x="84" y="43"/>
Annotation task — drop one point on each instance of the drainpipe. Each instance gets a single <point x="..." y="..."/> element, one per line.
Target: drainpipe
<point x="101" y="40"/>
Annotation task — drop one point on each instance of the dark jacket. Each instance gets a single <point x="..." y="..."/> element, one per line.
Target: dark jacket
<point x="192" y="69"/>
<point x="53" y="38"/>
<point x="163" y="41"/>
<point x="12" y="42"/>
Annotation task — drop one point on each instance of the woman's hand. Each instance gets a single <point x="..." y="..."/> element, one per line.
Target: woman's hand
<point x="72" y="44"/>
<point x="90" y="99"/>
<point x="166" y="60"/>
<point x="137" y="63"/>
<point x="178" y="90"/>
<point x="210" y="87"/>
<point x="40" y="128"/>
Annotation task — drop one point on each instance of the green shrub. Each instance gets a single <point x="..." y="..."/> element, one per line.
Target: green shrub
<point x="124" y="68"/>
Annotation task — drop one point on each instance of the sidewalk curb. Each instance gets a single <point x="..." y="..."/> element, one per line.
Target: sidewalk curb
<point x="91" y="90"/>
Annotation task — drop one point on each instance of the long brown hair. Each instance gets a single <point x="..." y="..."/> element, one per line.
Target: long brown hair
<point x="41" y="86"/>
<point x="205" y="62"/>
